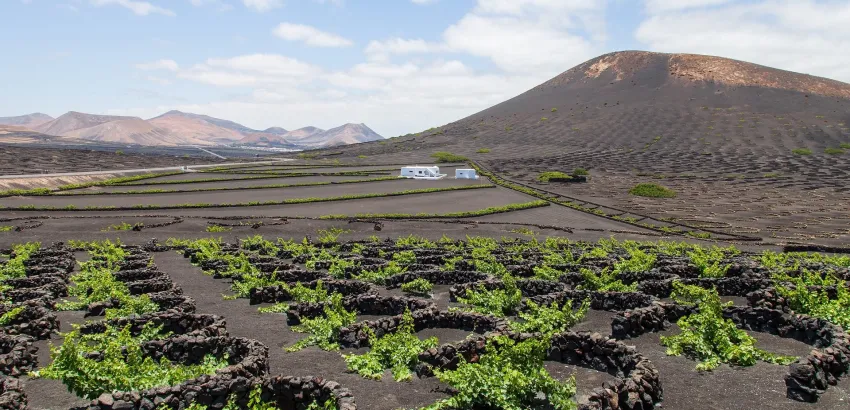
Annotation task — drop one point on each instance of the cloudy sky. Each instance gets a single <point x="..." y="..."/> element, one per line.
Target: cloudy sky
<point x="397" y="65"/>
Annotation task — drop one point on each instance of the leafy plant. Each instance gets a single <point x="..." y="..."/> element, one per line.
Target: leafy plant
<point x="550" y="319"/>
<point x="418" y="286"/>
<point x="708" y="337"/>
<point x="378" y="276"/>
<point x="834" y="151"/>
<point x="398" y="351"/>
<point x="123" y="226"/>
<point x="119" y="365"/>
<point x="709" y="261"/>
<point x="509" y="376"/>
<point x="809" y="296"/>
<point x="443" y="157"/>
<point x="6" y="228"/>
<point x="652" y="191"/>
<point x="604" y="281"/>
<point x="802" y="151"/>
<point x="218" y="228"/>
<point x="483" y="150"/>
<point x="14" y="267"/>
<point x="324" y="330"/>
<point x="580" y="171"/>
<point x="546" y="176"/>
<point x="496" y="302"/>
<point x="404" y="258"/>
<point x="331" y="235"/>
<point x="11" y="315"/>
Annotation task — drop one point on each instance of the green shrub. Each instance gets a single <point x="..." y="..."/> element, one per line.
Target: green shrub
<point x="814" y="301"/>
<point x="580" y="171"/>
<point x="443" y="157"/>
<point x="844" y="145"/>
<point x="554" y="109"/>
<point x="14" y="267"/>
<point x="219" y="228"/>
<point x="550" y="319"/>
<point x="652" y="191"/>
<point x="497" y="302"/>
<point x="324" y="330"/>
<point x="834" y="151"/>
<point x="361" y="156"/>
<point x="331" y="235"/>
<point x="711" y="339"/>
<point x="509" y="375"/>
<point x="604" y="281"/>
<point x="483" y="150"/>
<point x="802" y="151"/>
<point x="546" y="176"/>
<point x="418" y="286"/>
<point x="121" y="367"/>
<point x="398" y="351"/>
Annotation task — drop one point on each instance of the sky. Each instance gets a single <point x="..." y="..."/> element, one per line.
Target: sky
<point x="398" y="66"/>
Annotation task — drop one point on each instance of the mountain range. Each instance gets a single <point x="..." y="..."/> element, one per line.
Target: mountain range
<point x="176" y="128"/>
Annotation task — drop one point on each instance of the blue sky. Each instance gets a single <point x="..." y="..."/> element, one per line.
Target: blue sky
<point x="397" y="65"/>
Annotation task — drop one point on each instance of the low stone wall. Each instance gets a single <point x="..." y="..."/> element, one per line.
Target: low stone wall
<point x="178" y="323"/>
<point x="165" y="300"/>
<point x="17" y="355"/>
<point x="771" y="298"/>
<point x="610" y="301"/>
<point x="528" y="287"/>
<point x="160" y="284"/>
<point x="436" y="277"/>
<point x="354" y="336"/>
<point x="274" y="294"/>
<point x="726" y="286"/>
<point x="12" y="396"/>
<point x="807" y="378"/>
<point x="35" y="320"/>
<point x="638" y="384"/>
<point x="364" y="304"/>
<point x="248" y="360"/>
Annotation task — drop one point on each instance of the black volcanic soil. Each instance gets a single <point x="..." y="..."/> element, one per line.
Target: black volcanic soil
<point x="719" y="132"/>
<point x="236" y="196"/>
<point x="28" y="160"/>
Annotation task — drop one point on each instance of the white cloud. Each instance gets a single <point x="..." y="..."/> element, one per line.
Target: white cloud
<point x="169" y="65"/>
<point x="405" y="84"/>
<point x="657" y="6"/>
<point x="541" y="36"/>
<point x="802" y="36"/>
<point x="310" y="35"/>
<point x="219" y="4"/>
<point x="262" y="5"/>
<point x="141" y="8"/>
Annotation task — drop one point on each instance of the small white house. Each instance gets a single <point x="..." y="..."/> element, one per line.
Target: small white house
<point x="421" y="172"/>
<point x="465" y="174"/>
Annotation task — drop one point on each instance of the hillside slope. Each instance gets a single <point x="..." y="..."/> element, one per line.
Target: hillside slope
<point x="29" y="121"/>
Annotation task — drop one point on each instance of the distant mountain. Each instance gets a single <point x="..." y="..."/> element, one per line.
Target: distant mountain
<point x="72" y="121"/>
<point x="181" y="128"/>
<point x="197" y="127"/>
<point x="212" y="120"/>
<point x="276" y="131"/>
<point x="27" y="121"/>
<point x="343" y="135"/>
<point x="302" y="133"/>
<point x="130" y="130"/>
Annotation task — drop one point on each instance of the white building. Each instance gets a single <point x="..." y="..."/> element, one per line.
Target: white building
<point x="421" y="172"/>
<point x="465" y="174"/>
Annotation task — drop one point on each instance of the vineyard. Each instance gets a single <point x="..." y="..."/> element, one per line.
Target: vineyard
<point x="509" y="323"/>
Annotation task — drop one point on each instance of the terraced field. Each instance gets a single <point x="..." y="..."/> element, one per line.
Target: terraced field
<point x="288" y="289"/>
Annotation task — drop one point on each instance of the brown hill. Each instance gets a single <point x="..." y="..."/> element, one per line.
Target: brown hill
<point x="29" y="121"/>
<point x="194" y="128"/>
<point x="128" y="131"/>
<point x="73" y="120"/>
<point x="342" y="135"/>
<point x="302" y="133"/>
